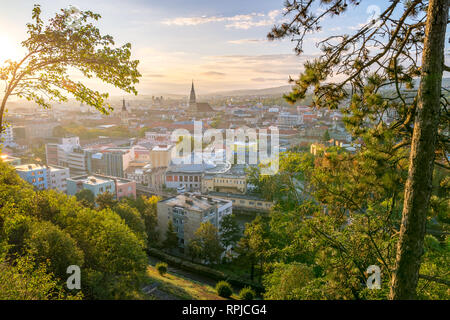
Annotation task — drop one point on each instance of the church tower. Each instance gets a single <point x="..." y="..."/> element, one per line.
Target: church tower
<point x="124" y="113"/>
<point x="192" y="100"/>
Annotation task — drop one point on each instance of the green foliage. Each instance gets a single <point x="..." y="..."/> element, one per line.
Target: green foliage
<point x="230" y="233"/>
<point x="26" y="280"/>
<point x="86" y="197"/>
<point x="105" y="200"/>
<point x="161" y="267"/>
<point x="54" y="48"/>
<point x="247" y="293"/>
<point x="47" y="242"/>
<point x="171" y="241"/>
<point x="132" y="218"/>
<point x="51" y="229"/>
<point x="289" y="282"/>
<point x="223" y="289"/>
<point x="206" y="243"/>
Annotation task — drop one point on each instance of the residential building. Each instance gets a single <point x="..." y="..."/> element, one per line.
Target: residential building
<point x="67" y="153"/>
<point x="187" y="212"/>
<point x="99" y="184"/>
<point x="160" y="155"/>
<point x="34" y="174"/>
<point x="57" y="178"/>
<point x="125" y="188"/>
<point x="109" y="161"/>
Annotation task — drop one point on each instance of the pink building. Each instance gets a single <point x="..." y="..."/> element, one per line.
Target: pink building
<point x="125" y="188"/>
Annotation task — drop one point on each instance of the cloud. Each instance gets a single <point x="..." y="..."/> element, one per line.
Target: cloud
<point x="269" y="79"/>
<point x="240" y="21"/>
<point x="213" y="74"/>
<point x="153" y="75"/>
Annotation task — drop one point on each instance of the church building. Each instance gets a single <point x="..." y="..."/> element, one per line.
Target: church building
<point x="124" y="114"/>
<point x="198" y="108"/>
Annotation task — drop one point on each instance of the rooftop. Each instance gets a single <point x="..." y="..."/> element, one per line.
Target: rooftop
<point x="194" y="202"/>
<point x="29" y="167"/>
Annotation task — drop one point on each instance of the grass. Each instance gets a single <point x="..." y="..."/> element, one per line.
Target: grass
<point x="182" y="288"/>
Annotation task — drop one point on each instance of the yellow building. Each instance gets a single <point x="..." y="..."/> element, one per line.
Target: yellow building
<point x="228" y="183"/>
<point x="244" y="202"/>
<point x="160" y="156"/>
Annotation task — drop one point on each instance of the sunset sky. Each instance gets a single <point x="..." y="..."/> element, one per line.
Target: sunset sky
<point x="219" y="44"/>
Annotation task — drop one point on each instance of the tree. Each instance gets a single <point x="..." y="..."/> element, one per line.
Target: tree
<point x="47" y="242"/>
<point x="171" y="241"/>
<point x="132" y="219"/>
<point x="230" y="233"/>
<point x="377" y="82"/>
<point x="86" y="197"/>
<point x="423" y="146"/>
<point x="326" y="136"/>
<point x="206" y="239"/>
<point x="27" y="280"/>
<point x="288" y="282"/>
<point x="150" y="215"/>
<point x="53" y="231"/>
<point x="106" y="200"/>
<point x="68" y="41"/>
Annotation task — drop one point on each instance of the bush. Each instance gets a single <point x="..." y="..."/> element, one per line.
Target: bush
<point x="247" y="293"/>
<point x="161" y="267"/>
<point x="223" y="289"/>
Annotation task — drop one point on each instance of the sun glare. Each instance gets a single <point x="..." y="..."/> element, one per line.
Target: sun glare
<point x="9" y="49"/>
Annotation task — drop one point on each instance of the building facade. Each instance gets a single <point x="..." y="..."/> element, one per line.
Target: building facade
<point x="33" y="174"/>
<point x="57" y="178"/>
<point x="187" y="212"/>
<point x="100" y="184"/>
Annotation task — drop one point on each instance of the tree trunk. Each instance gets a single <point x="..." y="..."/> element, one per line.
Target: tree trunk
<point x="419" y="183"/>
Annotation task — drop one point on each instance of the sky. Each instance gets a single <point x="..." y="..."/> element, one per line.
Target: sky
<point x="221" y="45"/>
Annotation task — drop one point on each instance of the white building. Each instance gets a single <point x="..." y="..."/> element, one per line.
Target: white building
<point x="7" y="136"/>
<point x="57" y="178"/>
<point x="68" y="154"/>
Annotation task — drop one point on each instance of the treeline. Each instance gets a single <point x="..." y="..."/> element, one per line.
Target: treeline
<point x="44" y="232"/>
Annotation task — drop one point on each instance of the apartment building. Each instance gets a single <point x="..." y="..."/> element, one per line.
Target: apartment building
<point x="33" y="174"/>
<point x="67" y="153"/>
<point x="99" y="184"/>
<point x="187" y="212"/>
<point x="57" y="178"/>
<point x="109" y="161"/>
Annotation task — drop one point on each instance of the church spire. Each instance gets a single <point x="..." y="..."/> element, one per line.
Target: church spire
<point x="192" y="96"/>
<point x="123" y="105"/>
